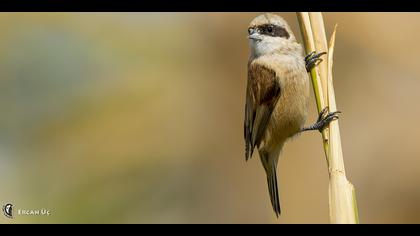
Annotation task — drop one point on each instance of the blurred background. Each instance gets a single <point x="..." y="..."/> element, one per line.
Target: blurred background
<point x="138" y="118"/>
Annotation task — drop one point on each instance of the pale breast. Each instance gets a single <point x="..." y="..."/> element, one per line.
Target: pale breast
<point x="291" y="109"/>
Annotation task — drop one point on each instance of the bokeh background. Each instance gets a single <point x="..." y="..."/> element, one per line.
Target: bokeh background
<point x="138" y="118"/>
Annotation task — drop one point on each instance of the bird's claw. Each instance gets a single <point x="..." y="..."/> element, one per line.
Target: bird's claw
<point x="313" y="59"/>
<point x="325" y="118"/>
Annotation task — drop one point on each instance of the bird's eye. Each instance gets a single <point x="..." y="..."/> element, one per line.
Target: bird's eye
<point x="249" y="30"/>
<point x="270" y="29"/>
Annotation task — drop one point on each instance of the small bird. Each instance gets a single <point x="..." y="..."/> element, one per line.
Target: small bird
<point x="277" y="94"/>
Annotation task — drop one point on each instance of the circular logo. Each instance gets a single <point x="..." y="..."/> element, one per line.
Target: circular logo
<point x="8" y="210"/>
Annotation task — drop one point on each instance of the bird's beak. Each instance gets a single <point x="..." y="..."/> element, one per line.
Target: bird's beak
<point x="254" y="35"/>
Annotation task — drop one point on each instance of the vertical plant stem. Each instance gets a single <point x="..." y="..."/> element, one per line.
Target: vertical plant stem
<point x="309" y="42"/>
<point x="320" y="41"/>
<point x="305" y="26"/>
<point x="342" y="200"/>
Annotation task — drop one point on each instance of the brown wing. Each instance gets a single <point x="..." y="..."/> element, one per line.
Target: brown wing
<point x="263" y="92"/>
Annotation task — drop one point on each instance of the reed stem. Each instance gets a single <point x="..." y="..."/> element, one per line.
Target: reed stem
<point x="342" y="195"/>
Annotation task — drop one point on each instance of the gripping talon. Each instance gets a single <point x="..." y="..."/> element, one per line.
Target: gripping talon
<point x="313" y="59"/>
<point x="323" y="120"/>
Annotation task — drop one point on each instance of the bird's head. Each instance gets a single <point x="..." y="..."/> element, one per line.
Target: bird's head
<point x="270" y="33"/>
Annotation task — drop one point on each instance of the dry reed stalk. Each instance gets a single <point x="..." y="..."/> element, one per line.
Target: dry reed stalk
<point x="342" y="197"/>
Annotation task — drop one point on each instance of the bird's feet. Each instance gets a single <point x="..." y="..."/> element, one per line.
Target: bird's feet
<point x="324" y="119"/>
<point x="313" y="59"/>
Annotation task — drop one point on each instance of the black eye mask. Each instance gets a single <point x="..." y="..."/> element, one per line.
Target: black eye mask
<point x="273" y="31"/>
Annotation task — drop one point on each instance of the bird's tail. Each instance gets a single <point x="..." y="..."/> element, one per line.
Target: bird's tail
<point x="273" y="190"/>
<point x="270" y="166"/>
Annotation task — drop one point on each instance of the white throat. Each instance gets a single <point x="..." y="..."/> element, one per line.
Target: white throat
<point x="277" y="45"/>
<point x="263" y="47"/>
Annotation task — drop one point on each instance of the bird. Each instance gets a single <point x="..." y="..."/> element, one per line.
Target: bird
<point x="277" y="94"/>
